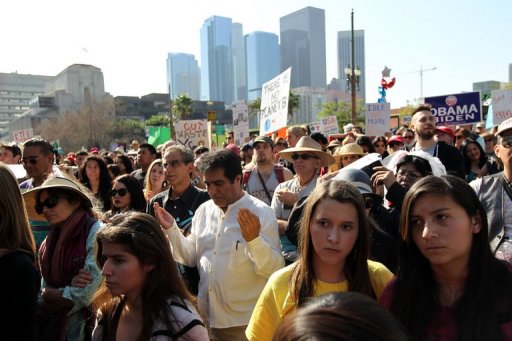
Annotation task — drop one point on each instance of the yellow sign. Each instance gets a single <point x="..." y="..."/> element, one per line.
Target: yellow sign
<point x="211" y="116"/>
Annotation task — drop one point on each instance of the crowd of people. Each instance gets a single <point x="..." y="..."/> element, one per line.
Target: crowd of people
<point x="399" y="237"/>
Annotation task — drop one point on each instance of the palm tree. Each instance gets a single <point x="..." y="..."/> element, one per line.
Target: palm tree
<point x="293" y="103"/>
<point x="182" y="107"/>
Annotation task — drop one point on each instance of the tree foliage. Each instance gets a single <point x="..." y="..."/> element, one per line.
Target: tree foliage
<point x="343" y="112"/>
<point x="182" y="107"/>
<point x="158" y="120"/>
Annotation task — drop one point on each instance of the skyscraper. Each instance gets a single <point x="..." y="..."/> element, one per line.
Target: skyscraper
<point x="239" y="68"/>
<point x="262" y="55"/>
<point x="182" y="75"/>
<point x="303" y="47"/>
<point x="345" y="56"/>
<point x="217" y="60"/>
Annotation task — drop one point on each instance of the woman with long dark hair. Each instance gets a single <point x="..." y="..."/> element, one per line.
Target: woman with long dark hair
<point x="94" y="175"/>
<point x="19" y="284"/>
<point x="126" y="195"/>
<point x="125" y="164"/>
<point x="333" y="245"/>
<point x="143" y="296"/>
<point x="476" y="163"/>
<point x="449" y="285"/>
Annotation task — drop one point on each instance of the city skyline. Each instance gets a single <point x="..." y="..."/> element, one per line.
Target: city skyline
<point x="466" y="42"/>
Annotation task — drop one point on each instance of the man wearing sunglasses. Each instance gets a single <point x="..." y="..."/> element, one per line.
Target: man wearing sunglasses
<point x="37" y="159"/>
<point x="307" y="157"/>
<point x="181" y="200"/>
<point x="423" y="123"/>
<point x="495" y="194"/>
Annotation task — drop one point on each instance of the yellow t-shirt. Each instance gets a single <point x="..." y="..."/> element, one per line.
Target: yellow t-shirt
<point x="275" y="301"/>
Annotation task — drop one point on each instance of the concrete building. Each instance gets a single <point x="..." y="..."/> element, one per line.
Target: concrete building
<point x="303" y="47"/>
<point x="135" y="108"/>
<point x="16" y="93"/>
<point x="183" y="75"/>
<point x="311" y="102"/>
<point x="345" y="59"/>
<point x="486" y="87"/>
<point x="217" y="60"/>
<point x="67" y="92"/>
<point x="262" y="55"/>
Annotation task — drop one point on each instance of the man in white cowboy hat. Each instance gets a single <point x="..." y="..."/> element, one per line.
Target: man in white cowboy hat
<point x="495" y="194"/>
<point x="307" y="158"/>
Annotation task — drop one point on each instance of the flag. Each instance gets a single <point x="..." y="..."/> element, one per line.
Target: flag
<point x="158" y="135"/>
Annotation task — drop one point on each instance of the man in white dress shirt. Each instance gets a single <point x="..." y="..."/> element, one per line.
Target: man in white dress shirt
<point x="234" y="242"/>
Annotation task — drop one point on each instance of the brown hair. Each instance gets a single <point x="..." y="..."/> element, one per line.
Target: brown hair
<point x="303" y="277"/>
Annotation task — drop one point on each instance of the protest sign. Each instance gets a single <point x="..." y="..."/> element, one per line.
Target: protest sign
<point x="20" y="136"/>
<point x="274" y="103"/>
<point x="158" y="135"/>
<point x="456" y="108"/>
<point x="501" y="105"/>
<point x="377" y="119"/>
<point x="329" y="125"/>
<point x="241" y="123"/>
<point x="192" y="133"/>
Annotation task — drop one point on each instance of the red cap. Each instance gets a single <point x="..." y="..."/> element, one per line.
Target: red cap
<point x="234" y="148"/>
<point x="396" y="138"/>
<point x="95" y="150"/>
<point x="446" y="130"/>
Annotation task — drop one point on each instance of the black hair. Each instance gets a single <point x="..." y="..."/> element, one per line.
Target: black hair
<point x="138" y="202"/>
<point x="150" y="147"/>
<point x="467" y="162"/>
<point x="367" y="142"/>
<point x="319" y="137"/>
<point x="221" y="159"/>
<point x="421" y="165"/>
<point x="44" y="146"/>
<point x="125" y="160"/>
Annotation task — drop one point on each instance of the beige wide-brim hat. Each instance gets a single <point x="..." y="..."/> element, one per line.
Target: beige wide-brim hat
<point x="348" y="149"/>
<point x="307" y="144"/>
<point x="53" y="182"/>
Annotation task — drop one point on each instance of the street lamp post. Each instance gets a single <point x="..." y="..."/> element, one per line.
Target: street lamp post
<point x="353" y="73"/>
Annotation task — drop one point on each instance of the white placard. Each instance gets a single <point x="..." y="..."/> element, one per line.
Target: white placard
<point x="274" y="103"/>
<point x="501" y="105"/>
<point x="20" y="136"/>
<point x="377" y="119"/>
<point x="329" y="125"/>
<point x="241" y="123"/>
<point x="192" y="133"/>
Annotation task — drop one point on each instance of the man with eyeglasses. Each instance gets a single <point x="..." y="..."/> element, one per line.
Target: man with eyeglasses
<point x="181" y="200"/>
<point x="37" y="160"/>
<point x="261" y="179"/>
<point x="423" y="123"/>
<point x="495" y="194"/>
<point x="307" y="158"/>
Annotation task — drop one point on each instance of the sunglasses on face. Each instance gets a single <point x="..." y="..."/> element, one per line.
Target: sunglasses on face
<point x="49" y="202"/>
<point x="122" y="192"/>
<point x="458" y="137"/>
<point x="506" y="141"/>
<point x="31" y="160"/>
<point x="303" y="157"/>
<point x="408" y="137"/>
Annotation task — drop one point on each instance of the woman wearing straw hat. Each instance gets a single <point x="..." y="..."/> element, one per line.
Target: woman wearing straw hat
<point x="346" y="154"/>
<point x="67" y="251"/>
<point x="307" y="158"/>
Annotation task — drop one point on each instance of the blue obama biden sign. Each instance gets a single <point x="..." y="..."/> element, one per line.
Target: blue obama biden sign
<point x="457" y="108"/>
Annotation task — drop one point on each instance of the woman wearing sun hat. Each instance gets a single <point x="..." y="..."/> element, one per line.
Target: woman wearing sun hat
<point x="307" y="158"/>
<point x="66" y="251"/>
<point x="347" y="154"/>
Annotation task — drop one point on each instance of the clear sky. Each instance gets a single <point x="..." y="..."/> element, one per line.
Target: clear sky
<point x="467" y="41"/>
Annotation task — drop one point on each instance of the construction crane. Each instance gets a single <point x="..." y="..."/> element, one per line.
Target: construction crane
<point x="420" y="71"/>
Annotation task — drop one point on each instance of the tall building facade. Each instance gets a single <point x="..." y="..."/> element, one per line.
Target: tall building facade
<point x="311" y="102"/>
<point x="303" y="47"/>
<point x="345" y="59"/>
<point x="217" y="82"/>
<point x="510" y="73"/>
<point x="262" y="55"/>
<point x="16" y="93"/>
<point x="239" y="60"/>
<point x="183" y="75"/>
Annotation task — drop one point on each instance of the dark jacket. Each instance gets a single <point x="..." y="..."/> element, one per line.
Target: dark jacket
<point x="450" y="157"/>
